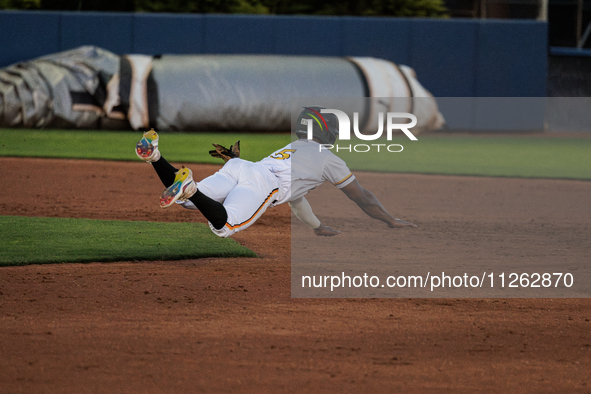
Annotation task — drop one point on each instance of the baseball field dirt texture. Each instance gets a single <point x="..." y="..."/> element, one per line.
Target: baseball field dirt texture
<point x="230" y="324"/>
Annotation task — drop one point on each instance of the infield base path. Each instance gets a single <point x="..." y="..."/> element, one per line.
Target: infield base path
<point x="230" y="325"/>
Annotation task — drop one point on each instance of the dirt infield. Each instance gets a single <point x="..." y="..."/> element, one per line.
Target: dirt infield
<point x="230" y="325"/>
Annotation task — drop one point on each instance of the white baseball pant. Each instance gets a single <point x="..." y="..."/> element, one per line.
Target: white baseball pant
<point x="246" y="190"/>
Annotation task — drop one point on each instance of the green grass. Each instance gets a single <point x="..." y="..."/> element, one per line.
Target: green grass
<point x="508" y="156"/>
<point x="56" y="240"/>
<point x="119" y="145"/>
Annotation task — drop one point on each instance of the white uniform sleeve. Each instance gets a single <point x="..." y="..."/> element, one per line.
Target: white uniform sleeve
<point x="302" y="209"/>
<point x="336" y="171"/>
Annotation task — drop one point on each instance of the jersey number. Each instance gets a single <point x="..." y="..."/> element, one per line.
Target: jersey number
<point x="283" y="154"/>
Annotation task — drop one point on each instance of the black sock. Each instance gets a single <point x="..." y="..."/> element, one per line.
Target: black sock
<point x="213" y="211"/>
<point x="165" y="171"/>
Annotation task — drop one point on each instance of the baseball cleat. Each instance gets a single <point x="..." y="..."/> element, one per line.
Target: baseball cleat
<point x="181" y="189"/>
<point x="147" y="148"/>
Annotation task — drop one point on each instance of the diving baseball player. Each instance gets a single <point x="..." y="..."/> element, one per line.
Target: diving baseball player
<point x="241" y="191"/>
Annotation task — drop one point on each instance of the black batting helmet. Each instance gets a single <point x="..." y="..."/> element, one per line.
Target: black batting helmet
<point x="325" y="127"/>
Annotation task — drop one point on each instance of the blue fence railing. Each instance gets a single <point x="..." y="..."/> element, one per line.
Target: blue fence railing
<point x="452" y="58"/>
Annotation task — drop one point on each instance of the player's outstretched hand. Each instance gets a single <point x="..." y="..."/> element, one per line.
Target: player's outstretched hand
<point x="400" y="223"/>
<point x="325" y="231"/>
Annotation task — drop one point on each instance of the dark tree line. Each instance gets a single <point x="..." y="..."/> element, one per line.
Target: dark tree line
<point x="419" y="8"/>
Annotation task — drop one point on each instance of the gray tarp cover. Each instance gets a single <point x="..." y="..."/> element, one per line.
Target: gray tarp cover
<point x="39" y="93"/>
<point x="89" y="87"/>
<point x="245" y="92"/>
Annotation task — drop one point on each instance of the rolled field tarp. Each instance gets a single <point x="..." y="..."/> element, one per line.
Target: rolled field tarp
<point x="64" y="90"/>
<point x="245" y="92"/>
<point x="89" y="87"/>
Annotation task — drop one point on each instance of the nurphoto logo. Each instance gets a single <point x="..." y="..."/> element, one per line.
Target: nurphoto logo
<point x="345" y="130"/>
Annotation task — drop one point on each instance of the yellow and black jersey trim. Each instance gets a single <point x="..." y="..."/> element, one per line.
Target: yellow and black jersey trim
<point x="344" y="179"/>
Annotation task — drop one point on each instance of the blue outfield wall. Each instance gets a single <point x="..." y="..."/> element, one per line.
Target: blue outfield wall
<point x="452" y="58"/>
